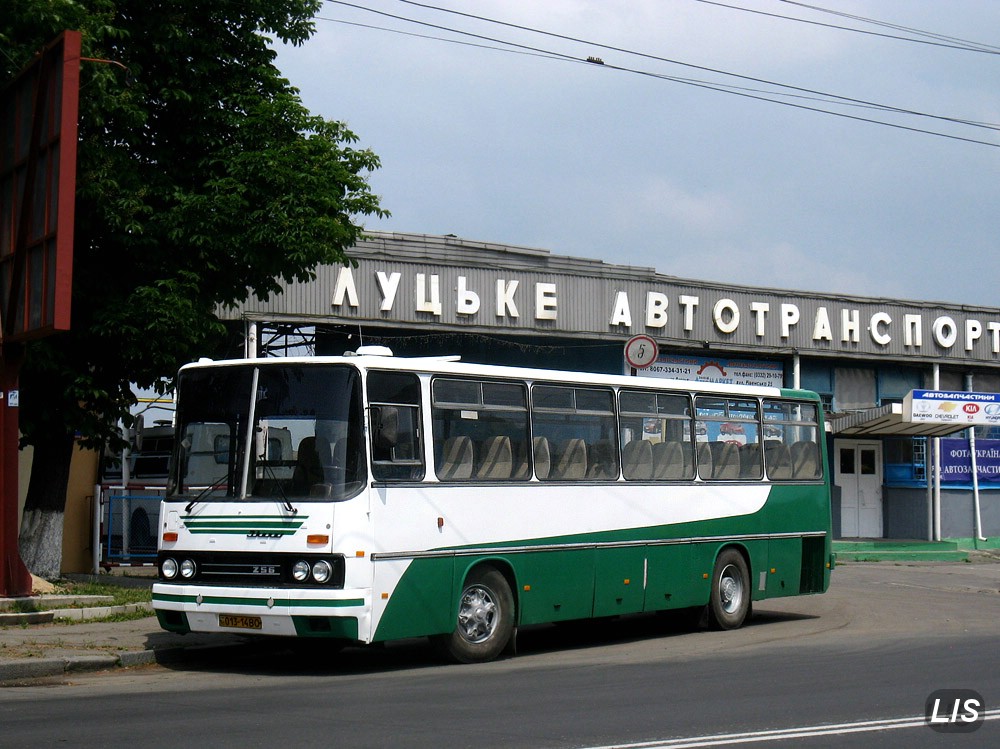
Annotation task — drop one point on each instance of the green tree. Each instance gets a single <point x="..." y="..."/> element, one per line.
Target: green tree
<point x="201" y="179"/>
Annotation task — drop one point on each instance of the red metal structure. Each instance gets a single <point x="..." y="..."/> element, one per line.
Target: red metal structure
<point x="38" y="137"/>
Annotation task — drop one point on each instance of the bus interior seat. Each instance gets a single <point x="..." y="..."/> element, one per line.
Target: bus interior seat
<point x="777" y="460"/>
<point x="308" y="468"/>
<point x="327" y="473"/>
<point x="572" y="461"/>
<point x="541" y="456"/>
<point x="668" y="461"/>
<point x="520" y="466"/>
<point x="496" y="460"/>
<point x="602" y="462"/>
<point x="456" y="459"/>
<point x="637" y="460"/>
<point x="750" y="464"/>
<point x="704" y="460"/>
<point x="688" y="454"/>
<point x="805" y="460"/>
<point x="726" y="461"/>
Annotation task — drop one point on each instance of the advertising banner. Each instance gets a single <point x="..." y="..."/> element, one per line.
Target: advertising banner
<point x="956" y="461"/>
<point x="952" y="407"/>
<point x="714" y="369"/>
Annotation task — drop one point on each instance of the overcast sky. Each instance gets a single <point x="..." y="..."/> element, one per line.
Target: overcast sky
<point x="503" y="144"/>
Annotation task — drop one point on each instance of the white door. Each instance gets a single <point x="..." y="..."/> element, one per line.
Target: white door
<point x="858" y="473"/>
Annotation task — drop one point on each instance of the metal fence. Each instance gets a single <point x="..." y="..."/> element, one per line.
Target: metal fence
<point x="129" y="523"/>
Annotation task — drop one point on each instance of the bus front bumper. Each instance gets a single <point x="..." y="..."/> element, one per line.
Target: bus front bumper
<point x="306" y="612"/>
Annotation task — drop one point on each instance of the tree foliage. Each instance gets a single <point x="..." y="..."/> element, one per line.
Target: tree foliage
<point x="201" y="179"/>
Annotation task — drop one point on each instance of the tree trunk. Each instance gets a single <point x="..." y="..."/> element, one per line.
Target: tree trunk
<point x="41" y="534"/>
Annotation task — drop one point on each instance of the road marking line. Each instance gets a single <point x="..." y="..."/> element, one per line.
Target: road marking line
<point x="780" y="734"/>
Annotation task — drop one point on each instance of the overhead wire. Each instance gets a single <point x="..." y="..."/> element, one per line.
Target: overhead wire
<point x="437" y="38"/>
<point x="599" y="45"/>
<point x="963" y="43"/>
<point x="937" y="40"/>
<point x="762" y="95"/>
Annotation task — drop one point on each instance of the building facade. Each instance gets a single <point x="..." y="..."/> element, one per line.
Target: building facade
<point x="491" y="303"/>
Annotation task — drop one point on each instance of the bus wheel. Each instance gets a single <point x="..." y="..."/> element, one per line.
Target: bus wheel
<point x="730" y="601"/>
<point x="485" y="618"/>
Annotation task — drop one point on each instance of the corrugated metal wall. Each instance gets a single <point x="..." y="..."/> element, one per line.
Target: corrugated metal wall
<point x="430" y="282"/>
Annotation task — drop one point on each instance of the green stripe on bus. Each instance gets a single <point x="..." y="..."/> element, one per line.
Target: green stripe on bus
<point x="243" y="524"/>
<point x="241" y="601"/>
<point x="244" y="529"/>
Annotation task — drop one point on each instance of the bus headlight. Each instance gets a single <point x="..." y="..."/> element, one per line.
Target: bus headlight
<point x="322" y="571"/>
<point x="188" y="568"/>
<point x="300" y="572"/>
<point x="169" y="568"/>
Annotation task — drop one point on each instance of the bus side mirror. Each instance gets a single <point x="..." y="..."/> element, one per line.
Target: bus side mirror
<point x="385" y="423"/>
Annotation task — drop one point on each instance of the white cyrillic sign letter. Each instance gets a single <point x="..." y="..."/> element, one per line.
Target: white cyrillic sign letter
<point x="850" y="326"/>
<point x="688" y="303"/>
<point x="913" y="333"/>
<point x="945" y="332"/>
<point x="466" y="302"/>
<point x="388" y="284"/>
<point x="789" y="318"/>
<point x="505" y="298"/>
<point x="432" y="303"/>
<point x="822" y="330"/>
<point x="726" y="308"/>
<point x="621" y="314"/>
<point x="759" y="310"/>
<point x="877" y="320"/>
<point x="545" y="301"/>
<point x="656" y="309"/>
<point x="345" y="286"/>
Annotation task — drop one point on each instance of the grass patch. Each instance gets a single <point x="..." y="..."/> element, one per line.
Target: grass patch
<point x="120" y="594"/>
<point x="118" y="616"/>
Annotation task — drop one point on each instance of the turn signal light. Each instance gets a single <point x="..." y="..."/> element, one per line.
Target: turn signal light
<point x="170" y="536"/>
<point x="317" y="538"/>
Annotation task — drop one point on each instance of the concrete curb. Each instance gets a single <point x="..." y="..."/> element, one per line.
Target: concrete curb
<point x="93" y="612"/>
<point x="27" y="669"/>
<point x="100" y="612"/>
<point x="40" y="668"/>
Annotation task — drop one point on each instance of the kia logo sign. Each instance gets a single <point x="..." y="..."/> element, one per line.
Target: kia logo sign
<point x="970" y="408"/>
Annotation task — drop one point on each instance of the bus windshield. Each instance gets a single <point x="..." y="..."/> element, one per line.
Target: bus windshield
<point x="304" y="441"/>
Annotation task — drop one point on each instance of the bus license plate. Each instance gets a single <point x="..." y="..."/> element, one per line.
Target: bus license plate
<point x="240" y="622"/>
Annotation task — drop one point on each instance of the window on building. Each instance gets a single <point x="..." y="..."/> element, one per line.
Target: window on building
<point x="905" y="461"/>
<point x="854" y="388"/>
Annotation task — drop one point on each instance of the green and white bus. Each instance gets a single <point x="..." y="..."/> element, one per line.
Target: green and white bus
<point x="369" y="497"/>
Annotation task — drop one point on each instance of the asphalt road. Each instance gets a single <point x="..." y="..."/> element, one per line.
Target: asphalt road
<point x="853" y="667"/>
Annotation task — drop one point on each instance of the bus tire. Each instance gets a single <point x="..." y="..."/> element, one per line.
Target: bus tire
<point x="485" y="622"/>
<point x="730" y="602"/>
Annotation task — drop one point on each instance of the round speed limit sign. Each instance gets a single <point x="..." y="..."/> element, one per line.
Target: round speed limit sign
<point x="640" y="351"/>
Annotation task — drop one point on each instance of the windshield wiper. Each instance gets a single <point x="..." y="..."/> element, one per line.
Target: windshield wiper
<point x="211" y="487"/>
<point x="269" y="469"/>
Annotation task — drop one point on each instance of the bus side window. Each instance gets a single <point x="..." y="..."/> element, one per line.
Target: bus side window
<point x="578" y="424"/>
<point x="791" y="444"/>
<point x="394" y="415"/>
<point x="480" y="430"/>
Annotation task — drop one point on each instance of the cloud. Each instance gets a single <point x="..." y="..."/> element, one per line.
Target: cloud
<point x="595" y="162"/>
<point x="676" y="210"/>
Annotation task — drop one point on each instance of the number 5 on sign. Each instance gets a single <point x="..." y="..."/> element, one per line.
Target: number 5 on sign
<point x="640" y="351"/>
